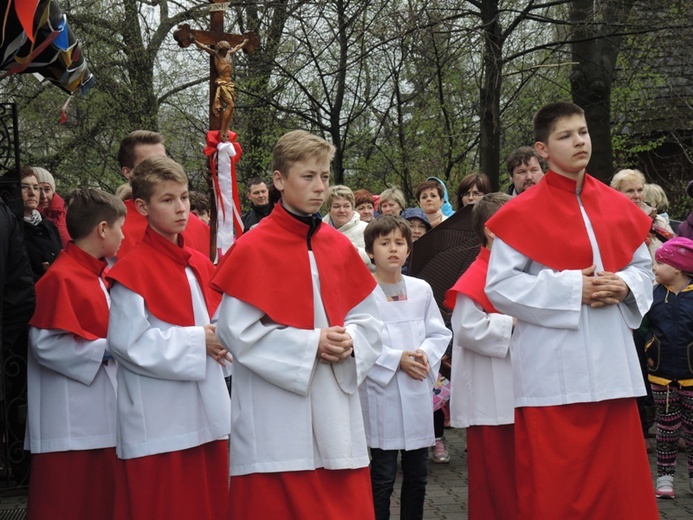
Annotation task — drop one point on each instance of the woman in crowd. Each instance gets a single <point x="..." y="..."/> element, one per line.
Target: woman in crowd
<point x="632" y="184"/>
<point x="392" y="202"/>
<point x="51" y="205"/>
<point x="365" y="205"/>
<point x="40" y="235"/>
<point x="472" y="187"/>
<point x="341" y="216"/>
<point x="430" y="194"/>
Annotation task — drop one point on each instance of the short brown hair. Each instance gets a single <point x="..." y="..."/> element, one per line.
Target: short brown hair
<point x="430" y="185"/>
<point x="521" y="156"/>
<point x="199" y="201"/>
<point x="363" y="197"/>
<point x="384" y="225"/>
<point x="86" y="207"/>
<point x="126" y="152"/>
<point x="152" y="171"/>
<point x="479" y="181"/>
<point x="484" y="210"/>
<point x="296" y="146"/>
<point x="546" y="117"/>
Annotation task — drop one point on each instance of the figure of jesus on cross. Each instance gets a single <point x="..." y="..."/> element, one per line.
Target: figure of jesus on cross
<point x="225" y="95"/>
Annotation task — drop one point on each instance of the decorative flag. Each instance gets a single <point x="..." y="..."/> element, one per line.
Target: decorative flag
<point x="223" y="157"/>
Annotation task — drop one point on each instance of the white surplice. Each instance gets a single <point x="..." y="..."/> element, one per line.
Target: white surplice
<point x="563" y="351"/>
<point x="481" y="390"/>
<point x="289" y="411"/>
<point x="171" y="394"/>
<point x="398" y="410"/>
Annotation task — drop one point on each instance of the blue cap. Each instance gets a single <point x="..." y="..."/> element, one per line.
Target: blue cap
<point x="411" y="213"/>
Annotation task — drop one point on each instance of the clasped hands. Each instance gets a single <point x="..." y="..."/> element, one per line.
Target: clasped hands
<point x="603" y="289"/>
<point x="335" y="345"/>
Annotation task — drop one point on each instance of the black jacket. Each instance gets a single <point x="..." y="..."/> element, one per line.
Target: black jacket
<point x="42" y="245"/>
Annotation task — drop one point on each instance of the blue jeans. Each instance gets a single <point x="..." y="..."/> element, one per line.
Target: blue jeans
<point x="414" y="478"/>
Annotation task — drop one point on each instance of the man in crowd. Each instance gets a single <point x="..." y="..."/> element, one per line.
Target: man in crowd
<point x="525" y="169"/>
<point x="260" y="207"/>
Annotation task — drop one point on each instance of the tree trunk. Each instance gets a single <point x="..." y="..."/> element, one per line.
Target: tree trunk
<point x="595" y="50"/>
<point x="489" y="110"/>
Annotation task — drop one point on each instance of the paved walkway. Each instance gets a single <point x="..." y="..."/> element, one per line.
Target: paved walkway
<point x="447" y="490"/>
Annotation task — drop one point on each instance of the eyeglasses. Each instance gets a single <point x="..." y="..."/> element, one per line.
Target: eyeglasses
<point x="475" y="193"/>
<point x="30" y="187"/>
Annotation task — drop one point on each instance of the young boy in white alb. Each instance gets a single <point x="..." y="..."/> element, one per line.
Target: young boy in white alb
<point x="570" y="263"/>
<point x="173" y="404"/>
<point x="71" y="430"/>
<point x="396" y="396"/>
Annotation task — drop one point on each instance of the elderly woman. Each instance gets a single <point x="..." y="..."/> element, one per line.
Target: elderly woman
<point x="41" y="237"/>
<point x="365" y="204"/>
<point x="341" y="216"/>
<point x="632" y="184"/>
<point x="472" y="187"/>
<point x="430" y="196"/>
<point x="51" y="205"/>
<point x="392" y="202"/>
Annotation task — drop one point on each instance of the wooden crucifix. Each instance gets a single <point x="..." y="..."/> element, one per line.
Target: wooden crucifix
<point x="220" y="46"/>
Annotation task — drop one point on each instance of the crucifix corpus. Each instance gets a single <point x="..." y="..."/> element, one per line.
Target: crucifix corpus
<point x="221" y="47"/>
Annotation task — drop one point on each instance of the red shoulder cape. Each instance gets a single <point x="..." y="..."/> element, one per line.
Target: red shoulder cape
<point x="155" y="269"/>
<point x="472" y="283"/>
<point x="69" y="296"/>
<point x="546" y="225"/>
<point x="269" y="268"/>
<point x="196" y="233"/>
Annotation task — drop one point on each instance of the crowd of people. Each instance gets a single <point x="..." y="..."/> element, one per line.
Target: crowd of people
<point x="573" y="322"/>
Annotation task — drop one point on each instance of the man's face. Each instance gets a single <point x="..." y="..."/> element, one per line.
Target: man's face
<point x="569" y="146"/>
<point x="142" y="152"/>
<point x="168" y="209"/>
<point x="258" y="194"/>
<point x="526" y="175"/>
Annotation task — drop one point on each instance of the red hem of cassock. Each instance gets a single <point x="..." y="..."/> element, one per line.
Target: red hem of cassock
<point x="75" y="485"/>
<point x="320" y="494"/>
<point x="491" y="464"/>
<point x="583" y="460"/>
<point x="180" y="485"/>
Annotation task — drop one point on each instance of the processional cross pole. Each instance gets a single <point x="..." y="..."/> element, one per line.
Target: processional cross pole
<point x="220" y="46"/>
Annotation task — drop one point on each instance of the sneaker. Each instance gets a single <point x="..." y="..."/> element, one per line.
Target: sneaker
<point x="440" y="452"/>
<point x="665" y="486"/>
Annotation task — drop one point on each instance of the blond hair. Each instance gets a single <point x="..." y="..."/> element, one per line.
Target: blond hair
<point x="627" y="175"/>
<point x="152" y="171"/>
<point x="655" y="196"/>
<point x="297" y="146"/>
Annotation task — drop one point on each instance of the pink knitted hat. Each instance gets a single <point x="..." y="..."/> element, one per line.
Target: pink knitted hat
<point x="678" y="253"/>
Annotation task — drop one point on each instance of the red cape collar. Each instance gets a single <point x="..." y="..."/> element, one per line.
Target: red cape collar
<point x="545" y="224"/>
<point x="69" y="296"/>
<point x="472" y="283"/>
<point x="155" y="269"/>
<point x="276" y="252"/>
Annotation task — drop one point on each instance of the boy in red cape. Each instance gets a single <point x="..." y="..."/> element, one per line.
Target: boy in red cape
<point x="173" y="404"/>
<point x="569" y="262"/>
<point x="481" y="387"/>
<point x="71" y="376"/>
<point x="299" y="316"/>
